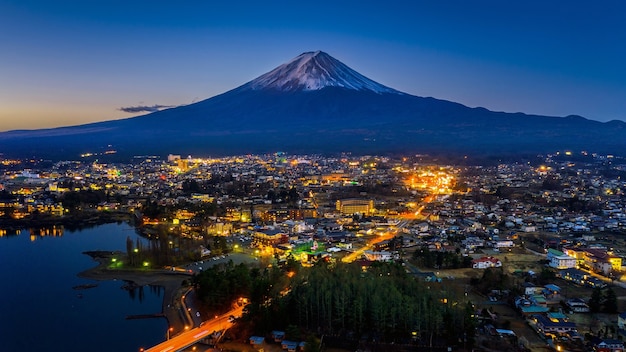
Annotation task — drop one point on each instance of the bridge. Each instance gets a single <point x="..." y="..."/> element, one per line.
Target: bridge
<point x="192" y="336"/>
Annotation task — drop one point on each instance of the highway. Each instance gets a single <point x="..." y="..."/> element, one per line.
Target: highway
<point x="194" y="335"/>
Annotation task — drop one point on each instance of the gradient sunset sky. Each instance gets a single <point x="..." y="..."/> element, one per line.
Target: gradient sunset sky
<point x="73" y="62"/>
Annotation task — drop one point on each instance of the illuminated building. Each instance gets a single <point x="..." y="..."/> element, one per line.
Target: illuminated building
<point x="353" y="206"/>
<point x="270" y="237"/>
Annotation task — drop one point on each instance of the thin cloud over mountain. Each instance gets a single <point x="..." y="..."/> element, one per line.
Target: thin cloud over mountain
<point x="145" y="108"/>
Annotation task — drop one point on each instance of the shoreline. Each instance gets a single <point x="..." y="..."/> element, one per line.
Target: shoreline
<point x="172" y="282"/>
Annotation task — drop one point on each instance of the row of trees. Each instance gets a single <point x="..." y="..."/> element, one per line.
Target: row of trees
<point x="342" y="299"/>
<point x="425" y="258"/>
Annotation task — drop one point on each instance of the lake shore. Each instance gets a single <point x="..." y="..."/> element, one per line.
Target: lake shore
<point x="172" y="282"/>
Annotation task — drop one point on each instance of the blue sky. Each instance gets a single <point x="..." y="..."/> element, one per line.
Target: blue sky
<point x="73" y="62"/>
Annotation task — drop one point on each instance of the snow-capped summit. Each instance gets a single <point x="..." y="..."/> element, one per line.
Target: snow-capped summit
<point x="315" y="70"/>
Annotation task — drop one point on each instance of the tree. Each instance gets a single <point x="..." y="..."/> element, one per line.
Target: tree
<point x="610" y="301"/>
<point x="546" y="276"/>
<point x="469" y="326"/>
<point x="129" y="250"/>
<point x="312" y="344"/>
<point x="595" y="301"/>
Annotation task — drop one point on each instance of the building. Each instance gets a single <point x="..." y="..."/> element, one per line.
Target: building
<point x="354" y="206"/>
<point x="552" y="291"/>
<point x="580" y="277"/>
<point x="559" y="260"/>
<point x="595" y="259"/>
<point x="530" y="288"/>
<point x="486" y="262"/>
<point x="382" y="256"/>
<point x="553" y="326"/>
<point x="270" y="237"/>
<point x="599" y="260"/>
<point x="608" y="345"/>
<point x="577" y="305"/>
<point x="503" y="244"/>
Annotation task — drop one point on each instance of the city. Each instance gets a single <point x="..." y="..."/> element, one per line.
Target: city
<point x="550" y="230"/>
<point x="328" y="176"/>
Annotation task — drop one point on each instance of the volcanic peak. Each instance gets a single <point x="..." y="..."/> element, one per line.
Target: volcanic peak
<point x="315" y="70"/>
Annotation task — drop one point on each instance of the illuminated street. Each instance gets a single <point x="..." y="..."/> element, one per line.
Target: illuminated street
<point x="194" y="335"/>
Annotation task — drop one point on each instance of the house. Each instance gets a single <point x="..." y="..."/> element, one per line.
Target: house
<point x="486" y="262"/>
<point x="556" y="315"/>
<point x="552" y="291"/>
<point x="256" y="340"/>
<point x="553" y="326"/>
<point x="577" y="305"/>
<point x="278" y="336"/>
<point x="530" y="288"/>
<point x="580" y="277"/>
<point x="608" y="345"/>
<point x="289" y="346"/>
<point x="532" y="310"/>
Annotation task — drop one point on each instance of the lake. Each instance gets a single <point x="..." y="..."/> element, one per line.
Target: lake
<point x="40" y="310"/>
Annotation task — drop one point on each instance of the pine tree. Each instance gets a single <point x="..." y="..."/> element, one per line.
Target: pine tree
<point x="610" y="301"/>
<point x="595" y="301"/>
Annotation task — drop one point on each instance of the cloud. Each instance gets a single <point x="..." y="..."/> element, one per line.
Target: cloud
<point x="144" y="108"/>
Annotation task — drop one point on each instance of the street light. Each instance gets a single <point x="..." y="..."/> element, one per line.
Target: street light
<point x="169" y="331"/>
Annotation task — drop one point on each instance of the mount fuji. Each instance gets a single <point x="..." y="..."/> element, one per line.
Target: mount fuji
<point x="316" y="104"/>
<point x="314" y="71"/>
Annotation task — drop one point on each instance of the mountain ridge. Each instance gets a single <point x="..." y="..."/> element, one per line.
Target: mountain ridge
<point x="315" y="103"/>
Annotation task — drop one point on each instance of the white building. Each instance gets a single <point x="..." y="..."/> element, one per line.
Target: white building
<point x="382" y="256"/>
<point x="559" y="260"/>
<point x="486" y="262"/>
<point x="503" y="244"/>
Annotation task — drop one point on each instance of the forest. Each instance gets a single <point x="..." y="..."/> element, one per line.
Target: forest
<point x="381" y="302"/>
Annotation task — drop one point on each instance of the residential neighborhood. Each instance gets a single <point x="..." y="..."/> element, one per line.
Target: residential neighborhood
<point x="553" y="230"/>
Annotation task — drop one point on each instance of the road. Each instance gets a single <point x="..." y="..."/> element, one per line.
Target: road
<point x="370" y="244"/>
<point x="194" y="335"/>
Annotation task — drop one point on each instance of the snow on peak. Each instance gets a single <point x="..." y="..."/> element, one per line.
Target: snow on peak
<point x="315" y="70"/>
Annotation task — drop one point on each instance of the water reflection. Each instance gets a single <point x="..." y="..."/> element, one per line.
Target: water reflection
<point x="137" y="292"/>
<point x="52" y="231"/>
<point x="91" y="315"/>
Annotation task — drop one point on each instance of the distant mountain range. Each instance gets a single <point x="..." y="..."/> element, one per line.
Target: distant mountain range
<point x="316" y="104"/>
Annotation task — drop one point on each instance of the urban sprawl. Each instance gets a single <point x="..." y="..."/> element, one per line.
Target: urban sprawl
<point x="554" y="226"/>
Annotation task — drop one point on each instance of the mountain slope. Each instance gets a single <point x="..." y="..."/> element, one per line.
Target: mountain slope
<point x="314" y="71"/>
<point x="314" y="103"/>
